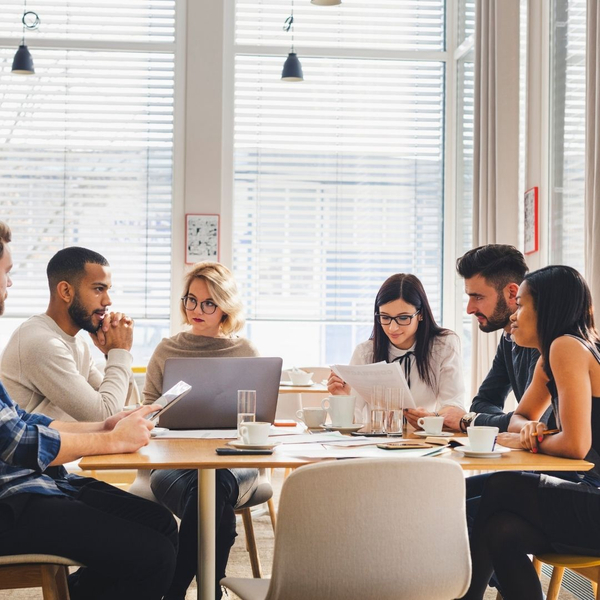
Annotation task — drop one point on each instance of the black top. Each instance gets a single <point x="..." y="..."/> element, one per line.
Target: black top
<point x="512" y="368"/>
<point x="594" y="454"/>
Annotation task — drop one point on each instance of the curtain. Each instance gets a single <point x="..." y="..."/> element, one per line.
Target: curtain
<point x="592" y="152"/>
<point x="496" y="145"/>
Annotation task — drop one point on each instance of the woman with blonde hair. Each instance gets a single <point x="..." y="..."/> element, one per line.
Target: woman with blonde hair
<point x="212" y="308"/>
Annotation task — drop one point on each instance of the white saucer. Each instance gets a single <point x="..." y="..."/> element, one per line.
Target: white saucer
<point x="442" y="434"/>
<point x="497" y="453"/>
<point x="292" y="384"/>
<point x="242" y="446"/>
<point x="158" y="431"/>
<point x="346" y="429"/>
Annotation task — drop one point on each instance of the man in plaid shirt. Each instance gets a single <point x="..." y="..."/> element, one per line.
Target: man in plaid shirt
<point x="127" y="544"/>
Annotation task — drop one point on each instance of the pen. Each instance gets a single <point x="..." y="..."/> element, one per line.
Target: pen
<point x="438" y="451"/>
<point x="547" y="432"/>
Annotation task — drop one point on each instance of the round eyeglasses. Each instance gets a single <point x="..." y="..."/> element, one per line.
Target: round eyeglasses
<point x="402" y="320"/>
<point x="208" y="307"/>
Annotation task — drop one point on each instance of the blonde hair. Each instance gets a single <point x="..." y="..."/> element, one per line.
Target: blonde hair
<point x="223" y="290"/>
<point x="5" y="236"/>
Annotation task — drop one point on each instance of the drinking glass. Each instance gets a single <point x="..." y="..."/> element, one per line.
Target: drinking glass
<point x="246" y="407"/>
<point x="377" y="408"/>
<point x="394" y="415"/>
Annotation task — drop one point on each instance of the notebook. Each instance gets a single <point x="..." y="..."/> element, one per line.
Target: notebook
<point x="212" y="401"/>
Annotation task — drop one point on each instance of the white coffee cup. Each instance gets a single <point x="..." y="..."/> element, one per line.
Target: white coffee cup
<point x="255" y="434"/>
<point x="312" y="417"/>
<point x="340" y="409"/>
<point x="300" y="377"/>
<point x="482" y="438"/>
<point x="431" y="425"/>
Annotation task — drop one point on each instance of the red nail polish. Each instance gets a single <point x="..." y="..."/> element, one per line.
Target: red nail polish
<point x="540" y="438"/>
<point x="534" y="450"/>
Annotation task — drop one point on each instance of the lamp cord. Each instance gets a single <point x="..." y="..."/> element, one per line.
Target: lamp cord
<point x="289" y="24"/>
<point x="30" y="26"/>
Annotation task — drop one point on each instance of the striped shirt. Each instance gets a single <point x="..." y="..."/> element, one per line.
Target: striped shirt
<point x="27" y="447"/>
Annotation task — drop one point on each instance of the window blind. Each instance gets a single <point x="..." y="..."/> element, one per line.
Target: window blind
<point x="567" y="132"/>
<point x="338" y="179"/>
<point x="86" y="150"/>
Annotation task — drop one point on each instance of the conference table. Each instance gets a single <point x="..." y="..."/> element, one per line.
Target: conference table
<point x="200" y="454"/>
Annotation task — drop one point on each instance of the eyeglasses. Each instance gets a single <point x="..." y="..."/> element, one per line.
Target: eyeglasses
<point x="402" y="320"/>
<point x="207" y="306"/>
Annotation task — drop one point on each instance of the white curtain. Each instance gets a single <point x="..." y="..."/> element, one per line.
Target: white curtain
<point x="496" y="144"/>
<point x="592" y="152"/>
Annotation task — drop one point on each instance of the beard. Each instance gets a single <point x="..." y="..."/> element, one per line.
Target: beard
<point x="499" y="318"/>
<point x="81" y="317"/>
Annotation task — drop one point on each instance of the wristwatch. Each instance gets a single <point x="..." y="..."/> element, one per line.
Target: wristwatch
<point x="466" y="420"/>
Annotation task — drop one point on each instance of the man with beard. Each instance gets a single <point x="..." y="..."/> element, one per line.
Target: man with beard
<point x="127" y="544"/>
<point x="48" y="369"/>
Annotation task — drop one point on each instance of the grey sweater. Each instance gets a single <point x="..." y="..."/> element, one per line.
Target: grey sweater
<point x="189" y="345"/>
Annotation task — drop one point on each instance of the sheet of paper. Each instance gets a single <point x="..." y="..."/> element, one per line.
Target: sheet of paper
<point x="319" y="451"/>
<point x="362" y="378"/>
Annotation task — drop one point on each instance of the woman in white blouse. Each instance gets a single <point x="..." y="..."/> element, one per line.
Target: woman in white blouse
<point x="405" y="331"/>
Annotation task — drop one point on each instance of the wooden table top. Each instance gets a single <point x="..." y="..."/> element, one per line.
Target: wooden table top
<point x="315" y="388"/>
<point x="200" y="453"/>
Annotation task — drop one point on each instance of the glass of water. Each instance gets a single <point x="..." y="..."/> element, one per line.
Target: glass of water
<point x="394" y="415"/>
<point x="377" y="408"/>
<point x="246" y="407"/>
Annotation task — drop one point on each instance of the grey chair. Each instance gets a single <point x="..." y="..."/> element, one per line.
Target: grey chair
<point x="37" y="570"/>
<point x="391" y="529"/>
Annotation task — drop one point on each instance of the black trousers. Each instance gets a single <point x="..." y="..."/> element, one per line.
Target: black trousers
<point x="177" y="489"/>
<point x="127" y="544"/>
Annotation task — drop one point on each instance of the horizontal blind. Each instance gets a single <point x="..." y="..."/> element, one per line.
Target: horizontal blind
<point x="373" y="24"/>
<point x="567" y="141"/>
<point x="86" y="159"/>
<point x="96" y="20"/>
<point x="338" y="184"/>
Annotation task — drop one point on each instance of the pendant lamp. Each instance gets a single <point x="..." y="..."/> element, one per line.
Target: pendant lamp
<point x="292" y="69"/>
<point x="23" y="62"/>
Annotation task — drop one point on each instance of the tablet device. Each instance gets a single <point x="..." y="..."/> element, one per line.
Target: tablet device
<point x="171" y="397"/>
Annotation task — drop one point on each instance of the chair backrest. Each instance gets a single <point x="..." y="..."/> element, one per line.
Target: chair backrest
<point x="372" y="528"/>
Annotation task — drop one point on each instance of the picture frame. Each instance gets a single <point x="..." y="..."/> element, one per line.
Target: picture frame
<point x="201" y="238"/>
<point x="531" y="221"/>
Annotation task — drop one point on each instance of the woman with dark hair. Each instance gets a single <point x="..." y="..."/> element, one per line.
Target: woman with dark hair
<point x="405" y="331"/>
<point x="527" y="513"/>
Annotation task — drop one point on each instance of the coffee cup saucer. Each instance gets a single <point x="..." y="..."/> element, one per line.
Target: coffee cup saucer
<point x="292" y="384"/>
<point x="496" y="453"/>
<point x="344" y="429"/>
<point x="441" y="434"/>
<point x="239" y="444"/>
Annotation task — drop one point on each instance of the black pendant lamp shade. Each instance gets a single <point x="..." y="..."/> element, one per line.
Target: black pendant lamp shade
<point x="325" y="2"/>
<point x="23" y="63"/>
<point x="292" y="69"/>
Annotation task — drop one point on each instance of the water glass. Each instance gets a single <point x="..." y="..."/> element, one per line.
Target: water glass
<point x="246" y="407"/>
<point x="377" y="408"/>
<point x="394" y="414"/>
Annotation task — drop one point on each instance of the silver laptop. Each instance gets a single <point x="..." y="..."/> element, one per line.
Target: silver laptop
<point x="212" y="401"/>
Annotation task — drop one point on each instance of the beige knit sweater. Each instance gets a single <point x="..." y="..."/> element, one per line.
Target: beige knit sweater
<point x="189" y="345"/>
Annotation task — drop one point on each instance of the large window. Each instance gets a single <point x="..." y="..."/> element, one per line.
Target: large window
<point x="86" y="151"/>
<point x="339" y="180"/>
<point x="567" y="132"/>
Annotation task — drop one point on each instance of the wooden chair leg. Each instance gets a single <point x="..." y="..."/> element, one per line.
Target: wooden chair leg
<point x="595" y="590"/>
<point x="287" y="471"/>
<point x="537" y="565"/>
<point x="555" y="581"/>
<point x="61" y="582"/>
<point x="251" y="543"/>
<point x="272" y="513"/>
<point x="49" y="584"/>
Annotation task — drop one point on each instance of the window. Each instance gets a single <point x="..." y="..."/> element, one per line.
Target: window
<point x="86" y="152"/>
<point x="338" y="179"/>
<point x="567" y="132"/>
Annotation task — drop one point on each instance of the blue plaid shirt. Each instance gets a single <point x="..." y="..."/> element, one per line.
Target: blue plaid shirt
<point x="27" y="447"/>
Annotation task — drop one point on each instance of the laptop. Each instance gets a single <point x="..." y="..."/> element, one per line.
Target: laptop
<point x="212" y="401"/>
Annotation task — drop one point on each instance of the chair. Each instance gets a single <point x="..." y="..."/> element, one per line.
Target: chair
<point x="37" y="570"/>
<point x="588" y="566"/>
<point x="263" y="494"/>
<point x="371" y="528"/>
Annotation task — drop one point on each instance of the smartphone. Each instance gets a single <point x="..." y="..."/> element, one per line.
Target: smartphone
<point x="240" y="451"/>
<point x="171" y="397"/>
<point x="404" y="445"/>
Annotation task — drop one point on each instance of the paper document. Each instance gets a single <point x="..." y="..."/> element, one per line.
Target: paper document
<point x="362" y="378"/>
<point x="319" y="451"/>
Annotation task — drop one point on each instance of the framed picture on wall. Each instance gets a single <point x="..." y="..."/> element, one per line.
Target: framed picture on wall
<point x="531" y="221"/>
<point x="201" y="238"/>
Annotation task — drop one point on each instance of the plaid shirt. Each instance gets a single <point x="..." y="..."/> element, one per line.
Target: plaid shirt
<point x="27" y="447"/>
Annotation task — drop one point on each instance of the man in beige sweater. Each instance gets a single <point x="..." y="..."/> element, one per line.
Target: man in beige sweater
<point x="47" y="368"/>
